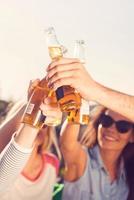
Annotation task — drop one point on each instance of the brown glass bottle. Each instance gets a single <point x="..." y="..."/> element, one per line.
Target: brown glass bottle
<point x="67" y="97"/>
<point x="32" y="114"/>
<point x="79" y="116"/>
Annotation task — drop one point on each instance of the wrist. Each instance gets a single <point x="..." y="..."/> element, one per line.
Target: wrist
<point x="26" y="135"/>
<point x="93" y="91"/>
<point x="30" y="128"/>
<point x="20" y="147"/>
<point x="99" y="93"/>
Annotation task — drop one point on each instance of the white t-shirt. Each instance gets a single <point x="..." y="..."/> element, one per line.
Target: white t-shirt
<point x="41" y="188"/>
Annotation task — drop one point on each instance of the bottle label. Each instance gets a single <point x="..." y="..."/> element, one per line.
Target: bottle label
<point x="59" y="93"/>
<point x="30" y="108"/>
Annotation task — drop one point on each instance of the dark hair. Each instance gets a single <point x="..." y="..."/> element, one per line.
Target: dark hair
<point x="128" y="154"/>
<point x="91" y="128"/>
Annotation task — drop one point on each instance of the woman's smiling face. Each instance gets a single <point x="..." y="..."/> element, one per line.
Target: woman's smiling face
<point x="110" y="137"/>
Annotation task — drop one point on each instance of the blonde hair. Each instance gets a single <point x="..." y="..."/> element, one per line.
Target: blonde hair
<point x="50" y="139"/>
<point x="89" y="135"/>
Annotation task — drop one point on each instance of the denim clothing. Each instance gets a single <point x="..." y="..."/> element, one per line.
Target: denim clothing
<point x="95" y="183"/>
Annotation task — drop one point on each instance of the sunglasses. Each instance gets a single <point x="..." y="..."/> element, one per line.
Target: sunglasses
<point x="122" y="126"/>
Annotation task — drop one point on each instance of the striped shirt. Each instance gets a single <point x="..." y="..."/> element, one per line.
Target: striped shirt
<point x="39" y="187"/>
<point x="12" y="160"/>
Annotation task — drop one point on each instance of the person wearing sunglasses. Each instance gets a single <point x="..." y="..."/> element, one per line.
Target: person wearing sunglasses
<point x="70" y="71"/>
<point x="99" y="171"/>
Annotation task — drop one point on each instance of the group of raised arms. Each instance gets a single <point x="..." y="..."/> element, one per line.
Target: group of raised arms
<point x="98" y="158"/>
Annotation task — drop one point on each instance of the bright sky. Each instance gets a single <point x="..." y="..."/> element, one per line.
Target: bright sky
<point x="106" y="26"/>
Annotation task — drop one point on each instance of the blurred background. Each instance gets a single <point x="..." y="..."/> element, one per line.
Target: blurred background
<point x="106" y="26"/>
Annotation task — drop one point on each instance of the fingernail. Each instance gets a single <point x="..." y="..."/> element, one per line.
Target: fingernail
<point x="49" y="84"/>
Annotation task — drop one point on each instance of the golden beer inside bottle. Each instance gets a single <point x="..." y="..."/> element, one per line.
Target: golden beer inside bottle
<point x="75" y="116"/>
<point x="55" y="52"/>
<point x="67" y="97"/>
<point x="33" y="114"/>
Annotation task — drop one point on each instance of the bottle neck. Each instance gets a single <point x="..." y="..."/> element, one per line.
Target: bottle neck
<point x="54" y="47"/>
<point x="55" y="52"/>
<point x="79" y="50"/>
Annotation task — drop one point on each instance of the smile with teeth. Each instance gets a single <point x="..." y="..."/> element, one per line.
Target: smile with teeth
<point x="110" y="138"/>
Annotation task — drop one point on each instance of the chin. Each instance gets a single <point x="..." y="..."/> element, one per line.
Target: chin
<point x="108" y="145"/>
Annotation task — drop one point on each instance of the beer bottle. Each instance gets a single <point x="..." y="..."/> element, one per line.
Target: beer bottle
<point x="67" y="97"/>
<point x="80" y="115"/>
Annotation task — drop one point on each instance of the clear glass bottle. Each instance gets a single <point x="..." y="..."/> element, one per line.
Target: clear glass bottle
<point x="67" y="97"/>
<point x="80" y="115"/>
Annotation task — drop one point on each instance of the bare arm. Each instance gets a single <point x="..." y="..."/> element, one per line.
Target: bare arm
<point x="13" y="119"/>
<point x="15" y="155"/>
<point x="114" y="100"/>
<point x="67" y="71"/>
<point x="74" y="155"/>
<point x="10" y="125"/>
<point x="26" y="135"/>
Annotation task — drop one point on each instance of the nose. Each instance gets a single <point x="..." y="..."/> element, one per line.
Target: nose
<point x="112" y="128"/>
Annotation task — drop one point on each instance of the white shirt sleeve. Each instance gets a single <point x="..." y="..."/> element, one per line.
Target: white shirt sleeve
<point x="12" y="161"/>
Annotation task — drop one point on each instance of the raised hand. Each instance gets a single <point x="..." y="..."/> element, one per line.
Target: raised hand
<point x="67" y="71"/>
<point x="50" y="109"/>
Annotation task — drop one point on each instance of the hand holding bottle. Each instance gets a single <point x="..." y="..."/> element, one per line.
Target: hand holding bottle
<point x="68" y="71"/>
<point x="33" y="115"/>
<point x="66" y="96"/>
<point x="50" y="109"/>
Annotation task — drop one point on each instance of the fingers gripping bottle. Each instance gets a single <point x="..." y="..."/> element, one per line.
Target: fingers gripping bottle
<point x="67" y="97"/>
